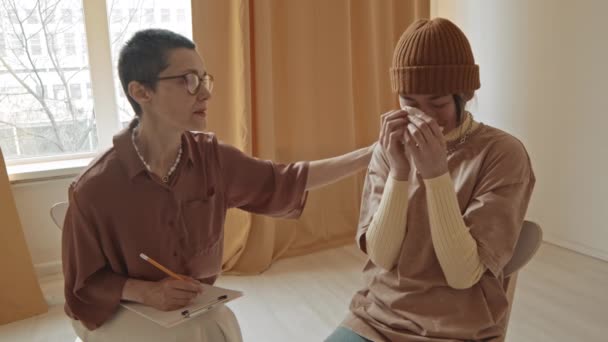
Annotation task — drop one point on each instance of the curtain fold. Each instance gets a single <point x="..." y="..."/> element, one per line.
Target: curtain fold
<point x="20" y="293"/>
<point x="299" y="80"/>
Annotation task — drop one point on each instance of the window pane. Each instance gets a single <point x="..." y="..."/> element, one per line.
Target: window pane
<point x="69" y="43"/>
<point x="35" y="45"/>
<point x="17" y="45"/>
<point x="75" y="91"/>
<point x="32" y="17"/>
<point x="181" y="15"/>
<point x="165" y="15"/>
<point x="149" y="15"/>
<point x="42" y="109"/>
<point x="142" y="18"/>
<point x="8" y="141"/>
<point x="58" y="92"/>
<point x="14" y="20"/>
<point x="117" y="17"/>
<point x="66" y="15"/>
<point x="29" y="141"/>
<point x="41" y="90"/>
<point x="2" y="45"/>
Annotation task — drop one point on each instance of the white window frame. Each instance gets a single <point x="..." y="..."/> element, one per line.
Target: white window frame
<point x="102" y="76"/>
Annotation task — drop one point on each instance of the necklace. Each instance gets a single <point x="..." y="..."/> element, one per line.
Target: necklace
<point x="165" y="179"/>
<point x="463" y="137"/>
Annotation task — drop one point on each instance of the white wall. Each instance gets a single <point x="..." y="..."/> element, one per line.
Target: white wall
<point x="34" y="201"/>
<point x="544" y="76"/>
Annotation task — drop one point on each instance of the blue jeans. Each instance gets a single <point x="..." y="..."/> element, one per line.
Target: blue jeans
<point x="342" y="334"/>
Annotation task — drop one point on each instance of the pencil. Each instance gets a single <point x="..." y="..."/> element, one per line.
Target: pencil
<point x="160" y="267"/>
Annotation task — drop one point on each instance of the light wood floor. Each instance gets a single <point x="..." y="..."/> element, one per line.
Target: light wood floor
<point x="561" y="296"/>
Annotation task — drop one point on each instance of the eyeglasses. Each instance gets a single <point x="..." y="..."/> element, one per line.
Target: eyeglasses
<point x="193" y="81"/>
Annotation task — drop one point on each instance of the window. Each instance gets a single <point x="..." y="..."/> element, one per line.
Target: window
<point x="66" y="16"/>
<point x="38" y="120"/>
<point x="41" y="91"/>
<point x="75" y="91"/>
<point x="13" y="18"/>
<point x="165" y="15"/>
<point x="11" y="91"/>
<point x="117" y="15"/>
<point x="17" y="45"/>
<point x="2" y="45"/>
<point x="8" y="141"/>
<point x="58" y="92"/>
<point x="83" y="44"/>
<point x="181" y="15"/>
<point x="35" y="46"/>
<point x="50" y="17"/>
<point x="69" y="43"/>
<point x="33" y="18"/>
<point x="149" y="13"/>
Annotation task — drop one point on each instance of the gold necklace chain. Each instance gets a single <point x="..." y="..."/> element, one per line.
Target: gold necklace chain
<point x="463" y="137"/>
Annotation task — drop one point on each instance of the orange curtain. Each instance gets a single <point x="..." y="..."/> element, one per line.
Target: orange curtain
<point x="20" y="294"/>
<point x="299" y="80"/>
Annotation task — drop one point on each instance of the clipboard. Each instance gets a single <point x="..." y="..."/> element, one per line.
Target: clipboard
<point x="211" y="296"/>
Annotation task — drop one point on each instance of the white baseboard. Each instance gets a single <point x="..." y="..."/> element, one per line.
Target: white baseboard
<point x="575" y="246"/>
<point x="48" y="268"/>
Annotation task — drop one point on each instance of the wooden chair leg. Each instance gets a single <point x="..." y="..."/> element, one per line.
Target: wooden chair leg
<point x="510" y="298"/>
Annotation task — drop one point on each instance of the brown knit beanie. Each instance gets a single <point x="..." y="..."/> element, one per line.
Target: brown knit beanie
<point x="434" y="57"/>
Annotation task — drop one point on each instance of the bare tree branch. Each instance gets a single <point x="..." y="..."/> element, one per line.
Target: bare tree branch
<point x="31" y="71"/>
<point x="13" y="15"/>
<point x="123" y="31"/>
<point x="11" y="6"/>
<point x="32" y="134"/>
<point x="46" y="109"/>
<point x="85" y="135"/>
<point x="27" y="50"/>
<point x="55" y="61"/>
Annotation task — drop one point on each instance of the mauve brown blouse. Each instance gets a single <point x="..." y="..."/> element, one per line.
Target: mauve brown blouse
<point x="117" y="210"/>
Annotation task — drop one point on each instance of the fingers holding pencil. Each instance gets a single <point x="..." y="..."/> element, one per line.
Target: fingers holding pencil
<point x="173" y="292"/>
<point x="170" y="294"/>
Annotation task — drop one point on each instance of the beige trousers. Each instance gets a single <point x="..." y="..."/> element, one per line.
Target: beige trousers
<point x="216" y="325"/>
